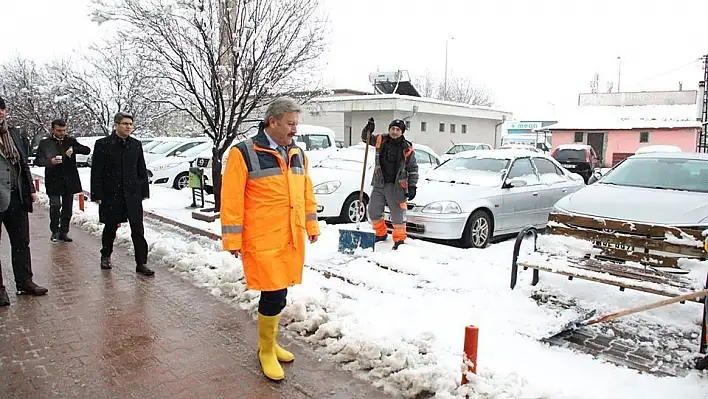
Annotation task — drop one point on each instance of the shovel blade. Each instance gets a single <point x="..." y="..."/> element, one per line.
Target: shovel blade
<point x="571" y="325"/>
<point x="350" y="240"/>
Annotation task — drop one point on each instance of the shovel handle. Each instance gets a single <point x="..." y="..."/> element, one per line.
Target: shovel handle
<point x="363" y="176"/>
<point x="653" y="305"/>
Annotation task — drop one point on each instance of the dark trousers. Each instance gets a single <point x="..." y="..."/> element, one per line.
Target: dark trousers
<point x="16" y="221"/>
<point x="60" y="210"/>
<point x="137" y="230"/>
<point x="272" y="303"/>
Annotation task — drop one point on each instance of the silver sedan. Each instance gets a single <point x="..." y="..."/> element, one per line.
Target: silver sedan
<point x="478" y="195"/>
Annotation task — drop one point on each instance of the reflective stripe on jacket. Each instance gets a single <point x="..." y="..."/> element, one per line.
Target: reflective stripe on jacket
<point x="267" y="209"/>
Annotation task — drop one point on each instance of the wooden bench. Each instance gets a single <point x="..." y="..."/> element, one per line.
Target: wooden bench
<point x="628" y="255"/>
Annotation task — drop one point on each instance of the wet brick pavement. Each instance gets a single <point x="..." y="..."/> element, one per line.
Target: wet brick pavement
<point x="114" y="334"/>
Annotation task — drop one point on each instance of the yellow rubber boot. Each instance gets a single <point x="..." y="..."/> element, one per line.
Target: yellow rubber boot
<point x="267" y="326"/>
<point x="283" y="355"/>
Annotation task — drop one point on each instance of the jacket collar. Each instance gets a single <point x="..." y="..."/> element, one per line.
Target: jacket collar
<point x="262" y="139"/>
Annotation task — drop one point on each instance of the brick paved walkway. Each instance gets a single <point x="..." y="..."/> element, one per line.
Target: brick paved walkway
<point x="114" y="334"/>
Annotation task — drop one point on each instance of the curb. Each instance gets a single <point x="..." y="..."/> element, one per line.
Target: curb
<point x="161" y="219"/>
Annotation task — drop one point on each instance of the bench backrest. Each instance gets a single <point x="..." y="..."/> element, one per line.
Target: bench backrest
<point x="654" y="245"/>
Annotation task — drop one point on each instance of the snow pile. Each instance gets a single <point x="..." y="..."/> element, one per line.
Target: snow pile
<point x="397" y="318"/>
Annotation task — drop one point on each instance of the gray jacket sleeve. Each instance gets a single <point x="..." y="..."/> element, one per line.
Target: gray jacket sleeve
<point x="412" y="169"/>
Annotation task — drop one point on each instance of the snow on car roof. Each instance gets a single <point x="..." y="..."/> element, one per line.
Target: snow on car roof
<point x="573" y="146"/>
<point x="503" y="153"/>
<point x="674" y="155"/>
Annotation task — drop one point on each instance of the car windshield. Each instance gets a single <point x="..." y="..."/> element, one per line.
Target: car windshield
<point x="164" y="147"/>
<point x="148" y="146"/>
<point x="196" y="150"/>
<point x="479" y="164"/>
<point x="569" y="155"/>
<point x="340" y="163"/>
<point x="661" y="173"/>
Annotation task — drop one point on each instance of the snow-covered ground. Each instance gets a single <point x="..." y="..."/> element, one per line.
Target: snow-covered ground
<point x="397" y="318"/>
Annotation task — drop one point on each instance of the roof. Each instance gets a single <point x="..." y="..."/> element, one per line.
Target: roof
<point x="700" y="156"/>
<point x="500" y="153"/>
<point x="628" y="118"/>
<point x="573" y="146"/>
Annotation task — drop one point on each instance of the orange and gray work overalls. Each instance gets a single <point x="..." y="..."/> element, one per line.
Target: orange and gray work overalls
<point x="392" y="194"/>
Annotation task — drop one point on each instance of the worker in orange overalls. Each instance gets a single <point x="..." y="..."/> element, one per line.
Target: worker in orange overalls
<point x="394" y="181"/>
<point x="268" y="207"/>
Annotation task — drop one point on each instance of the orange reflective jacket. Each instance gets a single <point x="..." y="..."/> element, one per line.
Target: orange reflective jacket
<point x="267" y="209"/>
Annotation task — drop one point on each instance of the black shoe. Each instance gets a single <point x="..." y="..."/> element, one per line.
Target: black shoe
<point x="4" y="299"/>
<point x="397" y="244"/>
<point x="142" y="269"/>
<point x="30" y="288"/>
<point x="106" y="262"/>
<point x="65" y="237"/>
<point x="55" y="237"/>
<point x="380" y="238"/>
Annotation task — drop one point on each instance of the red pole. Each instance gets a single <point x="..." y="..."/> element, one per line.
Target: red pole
<point x="470" y="351"/>
<point x="81" y="201"/>
<point x="36" y="185"/>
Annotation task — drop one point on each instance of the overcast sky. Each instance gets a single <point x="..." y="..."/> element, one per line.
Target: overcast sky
<point x="529" y="53"/>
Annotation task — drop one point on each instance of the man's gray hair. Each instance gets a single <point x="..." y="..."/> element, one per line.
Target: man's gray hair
<point x="280" y="106"/>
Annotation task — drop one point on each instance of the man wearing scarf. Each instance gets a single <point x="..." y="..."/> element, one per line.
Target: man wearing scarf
<point x="17" y="193"/>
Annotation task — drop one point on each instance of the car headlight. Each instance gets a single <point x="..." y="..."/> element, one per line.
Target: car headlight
<point x="442" y="207"/>
<point x="327" y="187"/>
<point x="164" y="167"/>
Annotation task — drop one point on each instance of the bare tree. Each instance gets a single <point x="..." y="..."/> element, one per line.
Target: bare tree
<point x="223" y="59"/>
<point x="425" y="85"/>
<point x="459" y="89"/>
<point x="111" y="78"/>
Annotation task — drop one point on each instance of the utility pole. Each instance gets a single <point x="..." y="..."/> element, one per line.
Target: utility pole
<point x="619" y="73"/>
<point x="445" y="80"/>
<point x="702" y="145"/>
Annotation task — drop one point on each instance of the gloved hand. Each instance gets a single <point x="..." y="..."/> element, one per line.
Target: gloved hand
<point x="411" y="193"/>
<point x="370" y="126"/>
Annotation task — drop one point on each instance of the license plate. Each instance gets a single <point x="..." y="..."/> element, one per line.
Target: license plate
<point x="623" y="247"/>
<point x="569" y="166"/>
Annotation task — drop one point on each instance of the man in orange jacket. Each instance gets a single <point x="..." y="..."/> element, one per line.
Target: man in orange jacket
<point x="268" y="206"/>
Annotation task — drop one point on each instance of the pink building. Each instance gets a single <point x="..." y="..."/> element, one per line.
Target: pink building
<point x="616" y="132"/>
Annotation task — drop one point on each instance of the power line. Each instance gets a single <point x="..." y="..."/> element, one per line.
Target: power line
<point x="692" y="62"/>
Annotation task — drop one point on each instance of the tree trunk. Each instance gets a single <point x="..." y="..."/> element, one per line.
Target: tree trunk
<point x="216" y="177"/>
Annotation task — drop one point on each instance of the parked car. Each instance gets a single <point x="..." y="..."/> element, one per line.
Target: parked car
<point x="81" y="159"/>
<point x="173" y="171"/>
<point x="653" y="188"/>
<point x="461" y="147"/>
<point x="577" y="158"/>
<point x="519" y="147"/>
<point x="318" y="142"/>
<point x="658" y="148"/>
<point x="479" y="195"/>
<point x="172" y="146"/>
<point x="337" y="180"/>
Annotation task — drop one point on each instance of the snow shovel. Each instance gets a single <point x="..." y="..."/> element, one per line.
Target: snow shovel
<point x="590" y="318"/>
<point x="350" y="240"/>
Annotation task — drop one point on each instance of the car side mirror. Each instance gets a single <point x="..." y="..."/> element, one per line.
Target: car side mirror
<point x="515" y="183"/>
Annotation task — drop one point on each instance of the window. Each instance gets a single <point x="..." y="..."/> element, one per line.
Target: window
<point x="660" y="174"/>
<point x="548" y="171"/>
<point x="441" y="129"/>
<point x="318" y="142"/>
<point x="452" y="128"/>
<point x="644" y="137"/>
<point x="423" y="126"/>
<point x="522" y="169"/>
<point x="408" y="125"/>
<point x="422" y="157"/>
<point x="464" y="129"/>
<point x="578" y="137"/>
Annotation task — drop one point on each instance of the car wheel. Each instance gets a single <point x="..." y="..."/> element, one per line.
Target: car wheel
<point x="181" y="181"/>
<point x="478" y="231"/>
<point x="353" y="208"/>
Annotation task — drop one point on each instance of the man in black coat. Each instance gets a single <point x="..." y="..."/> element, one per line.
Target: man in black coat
<point x="119" y="184"/>
<point x="61" y="177"/>
<point x="17" y="193"/>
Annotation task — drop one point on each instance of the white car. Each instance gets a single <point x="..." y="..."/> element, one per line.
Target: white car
<point x="478" y="195"/>
<point x="82" y="159"/>
<point x="462" y="147"/>
<point x="658" y="148"/>
<point x="337" y="180"/>
<point x="318" y="142"/>
<point x="173" y="171"/>
<point x="171" y="146"/>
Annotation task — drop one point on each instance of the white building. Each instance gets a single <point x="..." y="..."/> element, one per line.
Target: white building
<point x="431" y="122"/>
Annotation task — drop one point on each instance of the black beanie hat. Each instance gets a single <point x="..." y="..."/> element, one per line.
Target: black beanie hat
<point x="2" y="103"/>
<point x="398" y="123"/>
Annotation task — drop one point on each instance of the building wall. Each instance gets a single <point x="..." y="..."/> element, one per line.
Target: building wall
<point x="627" y="141"/>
